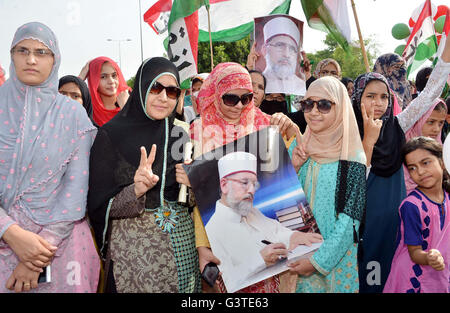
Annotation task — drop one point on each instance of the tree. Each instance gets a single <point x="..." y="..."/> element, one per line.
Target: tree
<point x="352" y="65"/>
<point x="236" y="51"/>
<point x="130" y="82"/>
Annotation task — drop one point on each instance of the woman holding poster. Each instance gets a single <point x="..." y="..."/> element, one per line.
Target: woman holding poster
<point x="331" y="166"/>
<point x="227" y="112"/>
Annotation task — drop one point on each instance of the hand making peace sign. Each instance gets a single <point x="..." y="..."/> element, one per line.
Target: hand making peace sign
<point x="372" y="126"/>
<point x="144" y="179"/>
<point x="300" y="153"/>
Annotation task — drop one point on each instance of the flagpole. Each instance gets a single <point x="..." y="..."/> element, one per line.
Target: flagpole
<point x="140" y="30"/>
<point x="210" y="39"/>
<point x="361" y="42"/>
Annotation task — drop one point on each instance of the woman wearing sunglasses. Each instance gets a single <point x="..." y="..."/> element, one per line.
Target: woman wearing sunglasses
<point x="145" y="237"/>
<point x="227" y="112"/>
<point x="331" y="166"/>
<point x="383" y="136"/>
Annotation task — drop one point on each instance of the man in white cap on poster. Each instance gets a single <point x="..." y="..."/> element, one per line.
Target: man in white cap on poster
<point x="237" y="231"/>
<point x="281" y="51"/>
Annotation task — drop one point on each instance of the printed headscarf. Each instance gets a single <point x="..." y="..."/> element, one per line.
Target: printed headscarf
<point x="324" y="63"/>
<point x="212" y="130"/>
<point x="40" y="134"/>
<point x="393" y="68"/>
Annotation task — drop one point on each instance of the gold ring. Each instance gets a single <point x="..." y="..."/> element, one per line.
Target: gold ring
<point x="27" y="284"/>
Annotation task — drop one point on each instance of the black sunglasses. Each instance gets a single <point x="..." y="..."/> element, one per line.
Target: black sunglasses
<point x="323" y="105"/>
<point x="232" y="100"/>
<point x="172" y="92"/>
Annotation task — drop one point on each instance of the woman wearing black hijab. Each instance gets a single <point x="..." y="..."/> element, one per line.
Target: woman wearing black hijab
<point x="383" y="135"/>
<point x="146" y="239"/>
<point x="76" y="89"/>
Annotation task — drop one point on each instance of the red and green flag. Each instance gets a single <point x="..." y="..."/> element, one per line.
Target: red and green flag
<point x="422" y="43"/>
<point x="232" y="20"/>
<point x="444" y="38"/>
<point x="158" y="16"/>
<point x="183" y="37"/>
<point x="330" y="16"/>
<point x="445" y="33"/>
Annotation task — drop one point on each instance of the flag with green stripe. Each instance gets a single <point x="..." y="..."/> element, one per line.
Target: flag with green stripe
<point x="183" y="37"/>
<point x="232" y="20"/>
<point x="330" y="16"/>
<point x="422" y="43"/>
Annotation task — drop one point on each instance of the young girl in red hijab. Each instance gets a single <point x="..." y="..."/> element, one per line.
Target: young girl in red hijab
<point x="107" y="86"/>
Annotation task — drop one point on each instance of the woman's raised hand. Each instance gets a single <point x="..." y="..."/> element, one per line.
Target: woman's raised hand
<point x="84" y="71"/>
<point x="252" y="57"/>
<point x="299" y="154"/>
<point x="306" y="64"/>
<point x="144" y="179"/>
<point x="122" y="98"/>
<point x="372" y="127"/>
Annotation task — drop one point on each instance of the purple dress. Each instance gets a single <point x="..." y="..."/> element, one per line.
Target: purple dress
<point x="425" y="223"/>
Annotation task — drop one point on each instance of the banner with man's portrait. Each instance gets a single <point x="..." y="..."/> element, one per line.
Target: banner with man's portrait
<point x="251" y="201"/>
<point x="279" y="41"/>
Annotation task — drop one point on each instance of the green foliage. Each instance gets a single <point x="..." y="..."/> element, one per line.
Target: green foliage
<point x="236" y="51"/>
<point x="352" y="64"/>
<point x="130" y="82"/>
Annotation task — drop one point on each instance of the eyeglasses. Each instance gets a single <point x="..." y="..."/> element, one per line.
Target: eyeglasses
<point x="327" y="72"/>
<point x="246" y="183"/>
<point x="281" y="46"/>
<point x="172" y="92"/>
<point x="232" y="100"/>
<point x="39" y="53"/>
<point x="323" y="105"/>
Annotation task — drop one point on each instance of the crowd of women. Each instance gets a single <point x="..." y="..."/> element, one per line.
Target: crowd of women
<point x="89" y="184"/>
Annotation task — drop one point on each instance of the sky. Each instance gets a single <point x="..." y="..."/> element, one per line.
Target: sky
<point x="83" y="27"/>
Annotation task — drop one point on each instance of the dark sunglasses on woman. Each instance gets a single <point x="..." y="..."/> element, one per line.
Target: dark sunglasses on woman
<point x="232" y="100"/>
<point x="172" y="92"/>
<point x="323" y="105"/>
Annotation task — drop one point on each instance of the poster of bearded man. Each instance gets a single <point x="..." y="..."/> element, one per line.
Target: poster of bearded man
<point x="278" y="42"/>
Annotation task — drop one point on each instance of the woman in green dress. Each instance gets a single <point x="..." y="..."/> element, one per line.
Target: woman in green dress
<point x="330" y="162"/>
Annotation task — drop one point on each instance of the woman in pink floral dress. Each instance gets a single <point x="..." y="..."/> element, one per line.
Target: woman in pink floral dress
<point x="45" y="139"/>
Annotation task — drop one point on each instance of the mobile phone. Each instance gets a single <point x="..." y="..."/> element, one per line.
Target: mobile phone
<point x="210" y="273"/>
<point x="46" y="275"/>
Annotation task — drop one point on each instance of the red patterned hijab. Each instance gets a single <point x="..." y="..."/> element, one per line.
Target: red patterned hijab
<point x="212" y="130"/>
<point x="101" y="114"/>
